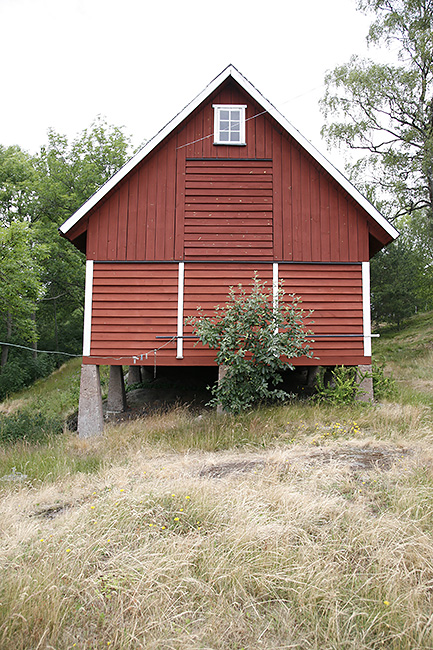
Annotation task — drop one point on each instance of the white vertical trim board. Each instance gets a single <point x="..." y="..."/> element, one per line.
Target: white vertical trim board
<point x="275" y="288"/>
<point x="366" y="309"/>
<point x="180" y="294"/>
<point x="87" y="333"/>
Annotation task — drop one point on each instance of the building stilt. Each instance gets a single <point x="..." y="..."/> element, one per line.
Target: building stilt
<point x="116" y="399"/>
<point x="90" y="415"/>
<point x="221" y="373"/>
<point x="133" y="376"/>
<point x="365" y="382"/>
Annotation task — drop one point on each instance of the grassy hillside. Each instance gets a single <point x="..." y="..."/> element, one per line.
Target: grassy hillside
<point x="300" y="526"/>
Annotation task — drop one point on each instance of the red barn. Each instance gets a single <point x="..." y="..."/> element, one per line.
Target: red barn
<point x="227" y="188"/>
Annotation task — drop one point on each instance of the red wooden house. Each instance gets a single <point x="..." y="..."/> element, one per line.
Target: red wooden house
<point x="227" y="188"/>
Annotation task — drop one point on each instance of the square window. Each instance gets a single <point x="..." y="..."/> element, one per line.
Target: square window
<point x="229" y="124"/>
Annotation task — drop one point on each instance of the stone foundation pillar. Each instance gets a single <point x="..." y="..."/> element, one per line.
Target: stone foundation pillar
<point x="116" y="399"/>
<point x="312" y="374"/>
<point x="90" y="416"/>
<point x="221" y="373"/>
<point x="146" y="373"/>
<point x="365" y="382"/>
<point x="133" y="376"/>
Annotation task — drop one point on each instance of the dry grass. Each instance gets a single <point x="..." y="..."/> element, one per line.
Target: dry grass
<point x="320" y="542"/>
<point x="302" y="526"/>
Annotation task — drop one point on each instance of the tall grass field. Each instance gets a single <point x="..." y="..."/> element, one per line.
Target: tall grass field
<point x="306" y="526"/>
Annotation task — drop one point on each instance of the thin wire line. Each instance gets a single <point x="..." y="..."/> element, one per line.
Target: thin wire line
<point x="253" y="117"/>
<point x="92" y="356"/>
<point x="23" y="347"/>
<point x="139" y="354"/>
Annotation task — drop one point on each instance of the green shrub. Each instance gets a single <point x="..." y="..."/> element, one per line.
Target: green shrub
<point x="341" y="388"/>
<point x="28" y="427"/>
<point x="22" y="370"/>
<point x="382" y="386"/>
<point x="255" y="338"/>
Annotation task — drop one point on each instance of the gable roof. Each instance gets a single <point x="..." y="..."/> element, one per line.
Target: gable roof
<point x="232" y="72"/>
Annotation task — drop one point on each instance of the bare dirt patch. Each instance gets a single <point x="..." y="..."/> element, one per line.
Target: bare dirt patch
<point x="355" y="458"/>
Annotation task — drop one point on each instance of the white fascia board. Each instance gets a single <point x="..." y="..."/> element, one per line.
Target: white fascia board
<point x="230" y="71"/>
<point x="145" y="151"/>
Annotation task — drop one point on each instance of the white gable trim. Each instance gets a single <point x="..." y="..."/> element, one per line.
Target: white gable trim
<point x="230" y="71"/>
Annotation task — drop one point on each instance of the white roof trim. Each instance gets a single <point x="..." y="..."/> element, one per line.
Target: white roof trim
<point x="230" y="71"/>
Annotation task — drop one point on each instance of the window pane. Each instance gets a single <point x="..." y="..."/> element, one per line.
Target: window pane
<point x="236" y="126"/>
<point x="224" y="136"/>
<point x="236" y="115"/>
<point x="224" y="115"/>
<point x="235" y="136"/>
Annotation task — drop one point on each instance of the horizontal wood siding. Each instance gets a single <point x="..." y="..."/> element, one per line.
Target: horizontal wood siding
<point x="207" y="285"/>
<point x="132" y="305"/>
<point x="334" y="293"/>
<point x="228" y="210"/>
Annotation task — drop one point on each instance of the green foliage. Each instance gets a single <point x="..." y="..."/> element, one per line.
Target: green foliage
<point x="28" y="427"/>
<point x="255" y="340"/>
<point x="342" y="387"/>
<point x="42" y="274"/>
<point x="386" y="110"/>
<point x="70" y="172"/>
<point x="22" y="370"/>
<point x="383" y="386"/>
<point x="402" y="275"/>
<point x="20" y="278"/>
<point x="67" y="174"/>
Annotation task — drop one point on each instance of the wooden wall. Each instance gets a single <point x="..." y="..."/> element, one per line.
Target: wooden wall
<point x="156" y="212"/>
<point x="228" y="209"/>
<point x="134" y="304"/>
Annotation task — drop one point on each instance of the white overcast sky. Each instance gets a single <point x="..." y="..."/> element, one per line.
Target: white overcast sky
<point x="139" y="62"/>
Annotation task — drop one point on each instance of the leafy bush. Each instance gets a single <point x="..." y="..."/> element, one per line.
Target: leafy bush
<point x="21" y="371"/>
<point x="341" y="388"/>
<point x="28" y="427"/>
<point x="382" y="386"/>
<point x="343" y="385"/>
<point x="255" y="339"/>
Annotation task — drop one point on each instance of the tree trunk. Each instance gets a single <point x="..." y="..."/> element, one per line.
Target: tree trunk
<point x="56" y="333"/>
<point x="34" y="343"/>
<point x="5" y="348"/>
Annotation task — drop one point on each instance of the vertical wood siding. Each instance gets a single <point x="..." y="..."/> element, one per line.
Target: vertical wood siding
<point x="156" y="213"/>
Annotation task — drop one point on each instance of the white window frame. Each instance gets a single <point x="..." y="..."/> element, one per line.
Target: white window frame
<point x="217" y="119"/>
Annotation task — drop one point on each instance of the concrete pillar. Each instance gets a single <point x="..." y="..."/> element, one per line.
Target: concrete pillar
<point x="133" y="376"/>
<point x="116" y="399"/>
<point x="312" y="374"/>
<point x="90" y="416"/>
<point x="146" y="373"/>
<point x="221" y="373"/>
<point x="365" y="382"/>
